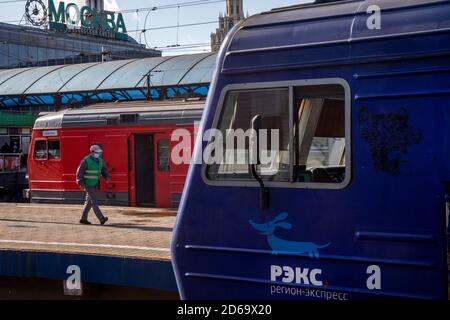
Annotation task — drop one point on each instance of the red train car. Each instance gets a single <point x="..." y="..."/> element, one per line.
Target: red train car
<point x="136" y="142"/>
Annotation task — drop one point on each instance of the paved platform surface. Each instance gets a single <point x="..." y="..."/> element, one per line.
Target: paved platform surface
<point x="130" y="232"/>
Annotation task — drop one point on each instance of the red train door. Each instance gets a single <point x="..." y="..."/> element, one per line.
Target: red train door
<point x="162" y="171"/>
<point x="115" y="150"/>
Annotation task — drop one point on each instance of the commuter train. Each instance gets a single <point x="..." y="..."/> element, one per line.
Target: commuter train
<point x="355" y="202"/>
<point x="137" y="139"/>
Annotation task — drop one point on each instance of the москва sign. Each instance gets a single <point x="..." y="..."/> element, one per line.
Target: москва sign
<point x="87" y="21"/>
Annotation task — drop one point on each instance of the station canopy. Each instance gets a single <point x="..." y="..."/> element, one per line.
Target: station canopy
<point x="124" y="80"/>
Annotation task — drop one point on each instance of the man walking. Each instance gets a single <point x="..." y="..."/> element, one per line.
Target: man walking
<point x="88" y="177"/>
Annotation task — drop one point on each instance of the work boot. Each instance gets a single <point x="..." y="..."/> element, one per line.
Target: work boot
<point x="84" y="222"/>
<point x="103" y="221"/>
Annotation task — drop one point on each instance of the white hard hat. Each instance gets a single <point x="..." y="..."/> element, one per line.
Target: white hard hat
<point x="96" y="148"/>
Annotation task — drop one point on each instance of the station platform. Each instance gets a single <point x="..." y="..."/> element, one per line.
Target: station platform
<point x="131" y="249"/>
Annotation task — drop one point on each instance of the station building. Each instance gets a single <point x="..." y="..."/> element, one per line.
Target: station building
<point x="43" y="41"/>
<point x="24" y="46"/>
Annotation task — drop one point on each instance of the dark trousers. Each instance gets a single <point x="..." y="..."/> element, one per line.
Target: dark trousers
<point x="91" y="202"/>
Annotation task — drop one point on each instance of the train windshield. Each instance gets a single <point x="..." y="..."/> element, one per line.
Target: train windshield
<point x="302" y="137"/>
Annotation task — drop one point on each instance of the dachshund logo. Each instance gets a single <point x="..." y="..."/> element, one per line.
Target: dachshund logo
<point x="285" y="246"/>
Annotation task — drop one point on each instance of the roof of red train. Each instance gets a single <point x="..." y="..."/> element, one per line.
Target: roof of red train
<point x="124" y="113"/>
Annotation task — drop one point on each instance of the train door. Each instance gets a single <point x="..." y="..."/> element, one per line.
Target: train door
<point x="144" y="170"/>
<point x="162" y="171"/>
<point x="115" y="158"/>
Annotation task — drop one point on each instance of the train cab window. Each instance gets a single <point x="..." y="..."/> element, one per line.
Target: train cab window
<point x="319" y="116"/>
<point x="305" y="135"/>
<point x="163" y="156"/>
<point x="54" y="150"/>
<point x="40" y="150"/>
<point x="239" y="109"/>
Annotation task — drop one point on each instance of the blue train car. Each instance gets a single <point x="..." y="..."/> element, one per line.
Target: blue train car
<point x="354" y="201"/>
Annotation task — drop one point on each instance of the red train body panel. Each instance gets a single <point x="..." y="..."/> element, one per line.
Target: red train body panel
<point x="136" y="139"/>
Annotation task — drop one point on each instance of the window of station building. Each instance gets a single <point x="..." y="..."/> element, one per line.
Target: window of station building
<point x="61" y="44"/>
<point x="12" y="131"/>
<point x="3" y="57"/>
<point x="23" y="53"/>
<point x="42" y="54"/>
<point x="50" y="56"/>
<point x="26" y="131"/>
<point x="54" y="150"/>
<point x="13" y="55"/>
<point x="4" y="144"/>
<point x="85" y="46"/>
<point x="25" y="144"/>
<point x="77" y="45"/>
<point x="15" y="140"/>
<point x="4" y="36"/>
<point x="305" y="139"/>
<point x="15" y="144"/>
<point x="163" y="155"/>
<point x="34" y="56"/>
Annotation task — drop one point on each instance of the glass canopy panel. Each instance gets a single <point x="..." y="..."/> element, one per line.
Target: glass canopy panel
<point x="202" y="72"/>
<point x="54" y="81"/>
<point x="90" y="79"/>
<point x="130" y="75"/>
<point x="5" y="75"/>
<point x="18" y="85"/>
<point x="170" y="73"/>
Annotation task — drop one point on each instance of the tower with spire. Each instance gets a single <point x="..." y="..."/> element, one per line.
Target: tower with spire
<point x="234" y="14"/>
<point x="95" y="4"/>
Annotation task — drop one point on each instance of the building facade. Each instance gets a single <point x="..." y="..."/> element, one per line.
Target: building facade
<point x="22" y="46"/>
<point x="234" y="14"/>
<point x="26" y="46"/>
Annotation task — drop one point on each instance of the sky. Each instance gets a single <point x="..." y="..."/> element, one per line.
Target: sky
<point x="199" y="35"/>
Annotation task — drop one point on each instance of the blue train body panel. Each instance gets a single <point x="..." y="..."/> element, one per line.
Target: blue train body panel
<point x="381" y="234"/>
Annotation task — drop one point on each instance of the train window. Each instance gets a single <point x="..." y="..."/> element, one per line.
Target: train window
<point x="239" y="109"/>
<point x="163" y="156"/>
<point x="54" y="149"/>
<point x="305" y="139"/>
<point x="40" y="150"/>
<point x="129" y="118"/>
<point x="319" y="116"/>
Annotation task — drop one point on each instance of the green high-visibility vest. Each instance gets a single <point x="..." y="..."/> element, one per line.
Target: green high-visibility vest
<point x="93" y="171"/>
